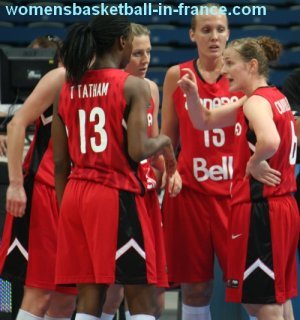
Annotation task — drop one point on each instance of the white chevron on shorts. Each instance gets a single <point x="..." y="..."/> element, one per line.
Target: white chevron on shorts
<point x="17" y="244"/>
<point x="46" y="120"/>
<point x="259" y="264"/>
<point x="130" y="244"/>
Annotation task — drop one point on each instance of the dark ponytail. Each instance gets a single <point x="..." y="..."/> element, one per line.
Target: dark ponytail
<point x="87" y="42"/>
<point x="78" y="51"/>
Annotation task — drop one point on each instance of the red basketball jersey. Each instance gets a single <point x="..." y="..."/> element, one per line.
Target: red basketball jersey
<point x="145" y="171"/>
<point x="94" y="113"/>
<point x="150" y="111"/>
<point x="205" y="161"/>
<point x="38" y="162"/>
<point x="283" y="160"/>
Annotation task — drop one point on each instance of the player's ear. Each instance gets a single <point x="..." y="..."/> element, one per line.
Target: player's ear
<point x="192" y="35"/>
<point x="228" y="35"/>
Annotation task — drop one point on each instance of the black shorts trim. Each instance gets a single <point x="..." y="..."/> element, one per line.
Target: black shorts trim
<point x="130" y="257"/>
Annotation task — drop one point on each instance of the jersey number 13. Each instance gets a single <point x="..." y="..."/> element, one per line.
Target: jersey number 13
<point x="96" y="116"/>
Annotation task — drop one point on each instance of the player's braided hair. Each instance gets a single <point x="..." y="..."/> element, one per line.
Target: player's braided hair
<point x="85" y="42"/>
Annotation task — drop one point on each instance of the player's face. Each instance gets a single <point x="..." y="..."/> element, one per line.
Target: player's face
<point x="210" y="35"/>
<point x="140" y="56"/>
<point x="236" y="70"/>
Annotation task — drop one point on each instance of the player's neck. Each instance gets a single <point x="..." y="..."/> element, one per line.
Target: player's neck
<point x="259" y="83"/>
<point x="210" y="65"/>
<point x="210" y="69"/>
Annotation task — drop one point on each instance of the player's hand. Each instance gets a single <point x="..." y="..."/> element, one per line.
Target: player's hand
<point x="16" y="200"/>
<point x="263" y="172"/>
<point x="188" y="83"/>
<point x="174" y="184"/>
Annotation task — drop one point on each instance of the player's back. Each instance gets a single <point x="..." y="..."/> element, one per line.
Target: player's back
<point x="94" y="114"/>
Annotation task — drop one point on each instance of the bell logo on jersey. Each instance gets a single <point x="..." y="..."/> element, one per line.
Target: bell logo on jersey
<point x="215" y="172"/>
<point x="216" y="102"/>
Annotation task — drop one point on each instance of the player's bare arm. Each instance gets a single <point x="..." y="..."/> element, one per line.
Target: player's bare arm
<point x="62" y="160"/>
<point x="38" y="101"/>
<point x="137" y="94"/>
<point x="259" y="113"/>
<point x="202" y="118"/>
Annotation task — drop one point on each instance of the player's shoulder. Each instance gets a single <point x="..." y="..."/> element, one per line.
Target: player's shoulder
<point x="174" y="71"/>
<point x="153" y="86"/>
<point x="57" y="73"/>
<point x="55" y="77"/>
<point x="135" y="86"/>
<point x="136" y="83"/>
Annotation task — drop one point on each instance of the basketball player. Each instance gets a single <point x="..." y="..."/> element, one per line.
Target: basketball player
<point x="195" y="222"/>
<point x="150" y="172"/>
<point x="100" y="127"/>
<point x="264" y="222"/>
<point x="28" y="249"/>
